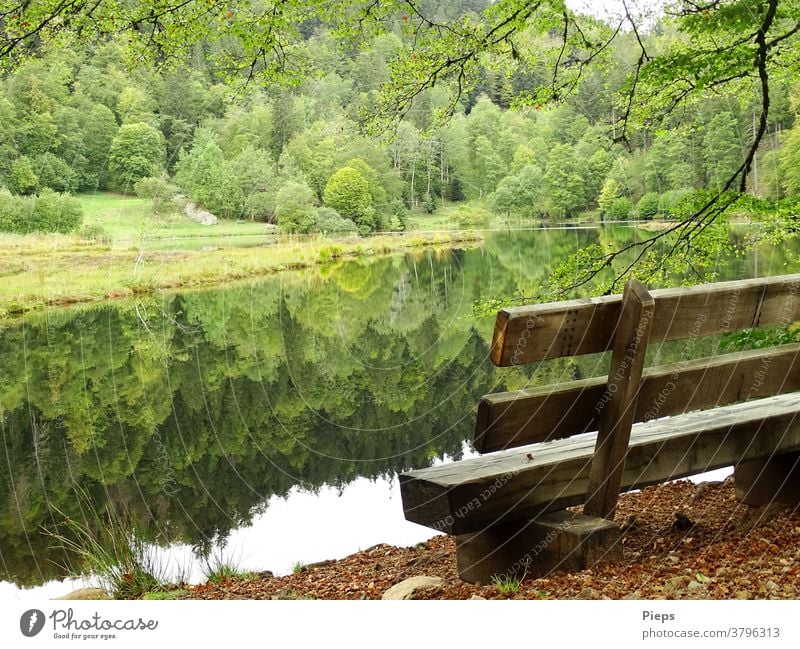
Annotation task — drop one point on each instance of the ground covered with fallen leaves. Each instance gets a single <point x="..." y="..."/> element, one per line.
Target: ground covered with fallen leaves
<point x="682" y="541"/>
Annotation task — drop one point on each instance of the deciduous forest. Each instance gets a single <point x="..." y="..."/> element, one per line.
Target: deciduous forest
<point x="343" y="123"/>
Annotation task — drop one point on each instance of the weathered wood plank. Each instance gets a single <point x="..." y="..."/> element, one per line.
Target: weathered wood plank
<point x="468" y="495"/>
<point x="622" y="391"/>
<point x="571" y="328"/>
<point x="510" y="419"/>
<point x="560" y="540"/>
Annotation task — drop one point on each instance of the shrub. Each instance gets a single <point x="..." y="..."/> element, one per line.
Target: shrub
<point x="398" y="215"/>
<point x="54" y="173"/>
<point x="160" y="191"/>
<point x="670" y="201"/>
<point x="348" y="193"/>
<point x="16" y="213"/>
<point x="48" y="212"/>
<point x="94" y="233"/>
<point x="648" y="206"/>
<point x="620" y="209"/>
<point x="23" y="180"/>
<point x="467" y="216"/>
<point x="430" y="204"/>
<point x="328" y="221"/>
<point x="294" y="207"/>
<point x="260" y="206"/>
<point x="57" y="212"/>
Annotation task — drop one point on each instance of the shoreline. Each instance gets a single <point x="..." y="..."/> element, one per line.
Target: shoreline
<point x="726" y="551"/>
<point x="731" y="551"/>
<point x="41" y="277"/>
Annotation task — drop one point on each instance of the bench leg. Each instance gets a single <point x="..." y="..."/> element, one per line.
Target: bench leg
<point x="768" y="480"/>
<point x="535" y="547"/>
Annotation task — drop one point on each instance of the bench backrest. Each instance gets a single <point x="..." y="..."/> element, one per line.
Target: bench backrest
<point x="533" y="333"/>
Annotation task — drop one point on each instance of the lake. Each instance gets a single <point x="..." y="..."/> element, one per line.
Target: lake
<point x="266" y="422"/>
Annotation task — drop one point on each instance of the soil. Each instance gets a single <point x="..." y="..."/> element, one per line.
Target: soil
<point x="682" y="541"/>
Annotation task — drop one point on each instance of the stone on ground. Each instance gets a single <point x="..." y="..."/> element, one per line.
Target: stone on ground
<point x="200" y="214"/>
<point x="86" y="593"/>
<point x="407" y="588"/>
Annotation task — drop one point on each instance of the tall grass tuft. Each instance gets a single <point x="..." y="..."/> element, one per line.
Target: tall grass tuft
<point x="221" y="567"/>
<point x="115" y="549"/>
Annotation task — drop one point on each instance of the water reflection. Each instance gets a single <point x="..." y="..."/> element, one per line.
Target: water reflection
<point x="192" y="411"/>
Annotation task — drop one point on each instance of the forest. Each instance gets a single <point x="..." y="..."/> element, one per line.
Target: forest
<point x="86" y="115"/>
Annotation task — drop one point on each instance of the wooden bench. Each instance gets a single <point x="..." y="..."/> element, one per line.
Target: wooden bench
<point x="540" y="454"/>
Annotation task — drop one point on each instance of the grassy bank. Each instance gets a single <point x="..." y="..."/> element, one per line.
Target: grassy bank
<point x="123" y="251"/>
<point x="48" y="271"/>
<point x="126" y="222"/>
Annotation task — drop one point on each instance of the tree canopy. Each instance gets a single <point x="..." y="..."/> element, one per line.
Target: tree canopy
<point x="634" y="77"/>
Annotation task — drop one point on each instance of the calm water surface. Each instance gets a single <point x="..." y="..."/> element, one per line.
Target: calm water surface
<point x="265" y="423"/>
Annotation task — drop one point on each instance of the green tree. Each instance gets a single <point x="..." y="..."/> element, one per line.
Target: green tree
<point x="136" y="152"/>
<point x="54" y="173"/>
<point x="611" y="191"/>
<point x="203" y="174"/>
<point x="348" y="193"/>
<point x="790" y="160"/>
<point x="563" y="183"/>
<point x="23" y="180"/>
<point x="620" y="209"/>
<point x="648" y="206"/>
<point x="160" y="191"/>
<point x="260" y="206"/>
<point x="99" y="128"/>
<point x="667" y="163"/>
<point x="294" y="208"/>
<point x="721" y="149"/>
<point x="521" y="192"/>
<point x="135" y="105"/>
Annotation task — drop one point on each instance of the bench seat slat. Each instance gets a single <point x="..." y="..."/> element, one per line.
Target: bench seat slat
<point x="471" y="494"/>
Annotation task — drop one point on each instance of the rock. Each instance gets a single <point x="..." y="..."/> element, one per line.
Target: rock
<point x="200" y="214"/>
<point x="407" y="588"/>
<point x="287" y="593"/>
<point x="675" y="584"/>
<point x="476" y="597"/>
<point x="319" y="564"/>
<point x="86" y="593"/>
<point x="695" y="585"/>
